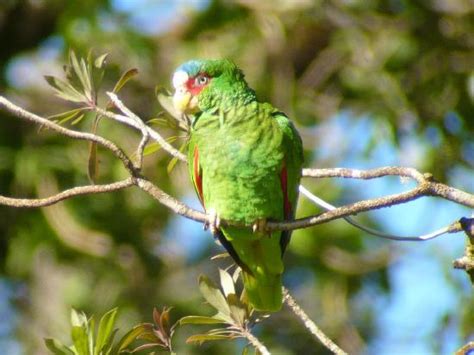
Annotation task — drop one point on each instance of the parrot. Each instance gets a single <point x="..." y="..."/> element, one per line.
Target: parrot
<point x="245" y="159"/>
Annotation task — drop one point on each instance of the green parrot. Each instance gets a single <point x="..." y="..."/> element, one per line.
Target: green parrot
<point x="245" y="159"/>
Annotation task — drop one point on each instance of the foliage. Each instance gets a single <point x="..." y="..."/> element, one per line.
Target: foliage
<point x="232" y="310"/>
<point x="89" y="341"/>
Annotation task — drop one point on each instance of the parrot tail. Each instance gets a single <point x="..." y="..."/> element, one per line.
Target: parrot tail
<point x="264" y="294"/>
<point x="261" y="264"/>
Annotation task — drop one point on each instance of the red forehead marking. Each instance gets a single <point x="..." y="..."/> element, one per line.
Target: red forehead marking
<point x="195" y="88"/>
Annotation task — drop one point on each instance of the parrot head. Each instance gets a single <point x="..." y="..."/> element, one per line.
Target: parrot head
<point x="196" y="81"/>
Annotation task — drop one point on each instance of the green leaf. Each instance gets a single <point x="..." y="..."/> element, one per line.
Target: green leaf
<point x="213" y="295"/>
<point x="90" y="335"/>
<point x="109" y="345"/>
<point x="78" y="119"/>
<point x="92" y="161"/>
<point x="200" y="320"/>
<point x="174" y="160"/>
<point x="78" y="319"/>
<point x="57" y="348"/>
<point x="151" y="148"/>
<point x="155" y="146"/>
<point x="163" y="122"/>
<point x="63" y="117"/>
<point x="165" y="98"/>
<point x="82" y="73"/>
<point x="80" y="339"/>
<point x="65" y="90"/>
<point x="131" y="336"/>
<point x="237" y="309"/>
<point x="105" y="330"/>
<point x="148" y="346"/>
<point x="201" y="338"/>
<point x="226" y="318"/>
<point x="227" y="283"/>
<point x="97" y="69"/>
<point x="100" y="60"/>
<point x="129" y="74"/>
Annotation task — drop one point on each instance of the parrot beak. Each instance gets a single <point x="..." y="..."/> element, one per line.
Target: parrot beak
<point x="183" y="100"/>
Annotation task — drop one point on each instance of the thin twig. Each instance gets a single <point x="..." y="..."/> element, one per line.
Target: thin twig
<point x="426" y="187"/>
<point x="28" y="116"/>
<point x="310" y="325"/>
<point x="434" y="188"/>
<point x="153" y="134"/>
<point x="255" y="342"/>
<point x="63" y="195"/>
<point x="143" y="127"/>
<point x="365" y="174"/>
<point x="452" y="228"/>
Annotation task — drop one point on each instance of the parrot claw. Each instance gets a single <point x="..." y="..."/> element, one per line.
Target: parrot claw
<point x="260" y="226"/>
<point x="214" y="222"/>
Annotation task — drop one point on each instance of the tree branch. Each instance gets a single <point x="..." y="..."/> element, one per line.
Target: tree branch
<point x="153" y="134"/>
<point x="426" y="187"/>
<point x="433" y="188"/>
<point x="451" y="228"/>
<point x="75" y="191"/>
<point x="310" y="325"/>
<point x="31" y="117"/>
<point x="255" y="342"/>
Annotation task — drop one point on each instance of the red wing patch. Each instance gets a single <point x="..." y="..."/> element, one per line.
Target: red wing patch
<point x="197" y="175"/>
<point x="284" y="188"/>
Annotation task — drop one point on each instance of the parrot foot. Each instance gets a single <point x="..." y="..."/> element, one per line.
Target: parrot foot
<point x="214" y="222"/>
<point x="260" y="226"/>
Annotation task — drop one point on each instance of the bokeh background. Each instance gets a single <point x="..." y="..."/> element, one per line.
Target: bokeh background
<point x="368" y="83"/>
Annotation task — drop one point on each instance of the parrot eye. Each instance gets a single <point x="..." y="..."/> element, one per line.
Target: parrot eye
<point x="201" y="80"/>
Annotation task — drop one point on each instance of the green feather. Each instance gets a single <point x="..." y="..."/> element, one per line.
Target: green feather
<point x="243" y="145"/>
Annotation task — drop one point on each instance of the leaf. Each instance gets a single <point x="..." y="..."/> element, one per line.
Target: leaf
<point x="97" y="71"/>
<point x="92" y="161"/>
<point x="78" y="319"/>
<point x="78" y="119"/>
<point x="80" y="339"/>
<point x="174" y="160"/>
<point x="164" y="320"/>
<point x="100" y="60"/>
<point x="130" y="337"/>
<point x="213" y="295"/>
<point x="90" y="335"/>
<point x="155" y="146"/>
<point x="65" y="90"/>
<point x="227" y="283"/>
<point x="220" y="256"/>
<point x="105" y="330"/>
<point x="82" y="73"/>
<point x="107" y="349"/>
<point x="63" y="117"/>
<point x="151" y="148"/>
<point x="165" y="98"/>
<point x="200" y="320"/>
<point x="237" y="309"/>
<point x="158" y="121"/>
<point x="148" y="346"/>
<point x="126" y="76"/>
<point x="201" y="338"/>
<point x="56" y="347"/>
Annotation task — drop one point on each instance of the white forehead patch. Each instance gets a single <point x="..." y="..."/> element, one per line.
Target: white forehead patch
<point x="180" y="78"/>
